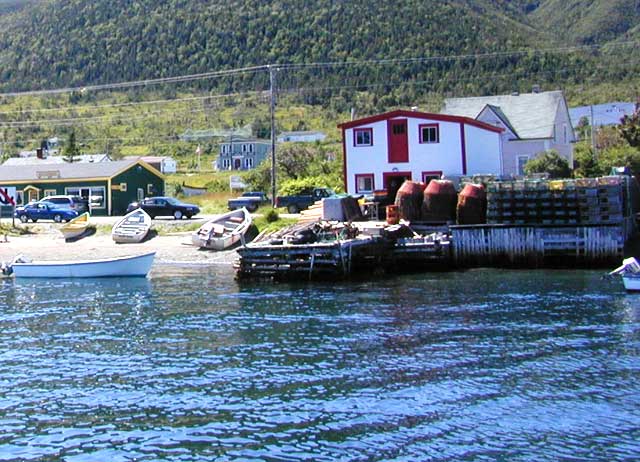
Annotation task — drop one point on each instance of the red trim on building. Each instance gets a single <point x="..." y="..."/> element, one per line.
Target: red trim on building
<point x="344" y="161"/>
<point x="436" y="126"/>
<point x="420" y="115"/>
<point x="397" y="141"/>
<point x="386" y="175"/>
<point x="463" y="144"/>
<point x="366" y="175"/>
<point x="355" y="136"/>
<point x="437" y="173"/>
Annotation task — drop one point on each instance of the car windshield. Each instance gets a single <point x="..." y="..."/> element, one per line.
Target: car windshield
<point x="173" y="201"/>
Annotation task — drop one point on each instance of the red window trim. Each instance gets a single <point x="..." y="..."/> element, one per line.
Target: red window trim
<point x="386" y="175"/>
<point x="366" y="175"/>
<point x="437" y="127"/>
<point x="431" y="173"/>
<point x="355" y="130"/>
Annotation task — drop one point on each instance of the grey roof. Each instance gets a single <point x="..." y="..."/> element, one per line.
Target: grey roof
<point x="532" y="115"/>
<point x="64" y="171"/>
<point x="301" y="133"/>
<point x="54" y="160"/>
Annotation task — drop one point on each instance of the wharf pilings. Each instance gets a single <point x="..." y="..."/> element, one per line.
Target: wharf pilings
<point x="454" y="247"/>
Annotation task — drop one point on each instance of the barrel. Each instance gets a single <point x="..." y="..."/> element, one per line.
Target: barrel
<point x="439" y="201"/>
<point x="472" y="205"/>
<point x="409" y="200"/>
<point x="393" y="218"/>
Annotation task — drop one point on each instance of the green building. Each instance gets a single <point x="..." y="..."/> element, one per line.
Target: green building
<point x="109" y="186"/>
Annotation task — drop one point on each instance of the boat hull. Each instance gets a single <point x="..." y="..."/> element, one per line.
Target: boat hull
<point x="138" y="265"/>
<point x="76" y="227"/>
<point x="631" y="283"/>
<point x="132" y="228"/>
<point x="224" y="231"/>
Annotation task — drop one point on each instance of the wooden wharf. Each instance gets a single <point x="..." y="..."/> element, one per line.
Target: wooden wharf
<point x="530" y="224"/>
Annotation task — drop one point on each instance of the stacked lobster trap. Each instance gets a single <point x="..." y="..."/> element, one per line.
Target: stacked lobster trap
<point x="583" y="201"/>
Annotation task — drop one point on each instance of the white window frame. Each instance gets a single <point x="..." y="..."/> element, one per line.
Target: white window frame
<point x="520" y="167"/>
<point x="368" y="131"/>
<point x="50" y="192"/>
<point x="363" y="177"/>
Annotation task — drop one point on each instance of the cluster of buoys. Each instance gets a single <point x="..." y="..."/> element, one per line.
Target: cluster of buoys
<point x="439" y="202"/>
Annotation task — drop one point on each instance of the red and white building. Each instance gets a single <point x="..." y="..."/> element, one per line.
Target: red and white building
<point x="380" y="152"/>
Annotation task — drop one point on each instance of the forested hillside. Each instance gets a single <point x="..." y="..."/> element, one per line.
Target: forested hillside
<point x="77" y="42"/>
<point x="331" y="56"/>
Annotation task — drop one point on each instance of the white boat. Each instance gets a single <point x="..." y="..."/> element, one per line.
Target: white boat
<point x="138" y="265"/>
<point x="132" y="228"/>
<point x="76" y="227"/>
<point x="630" y="272"/>
<point x="224" y="231"/>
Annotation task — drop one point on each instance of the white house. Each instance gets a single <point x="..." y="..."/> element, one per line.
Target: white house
<point x="163" y="164"/>
<point x="380" y="152"/>
<point x="533" y="122"/>
<point x="301" y="137"/>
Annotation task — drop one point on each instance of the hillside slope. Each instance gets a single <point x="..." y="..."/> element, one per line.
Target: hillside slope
<point x="75" y="42"/>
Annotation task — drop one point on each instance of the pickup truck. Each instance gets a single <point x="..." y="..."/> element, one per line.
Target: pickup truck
<point x="250" y="200"/>
<point x="300" y="202"/>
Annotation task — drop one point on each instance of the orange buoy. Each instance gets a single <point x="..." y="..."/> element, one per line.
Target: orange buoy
<point x="393" y="218"/>
<point x="472" y="205"/>
<point x="439" y="201"/>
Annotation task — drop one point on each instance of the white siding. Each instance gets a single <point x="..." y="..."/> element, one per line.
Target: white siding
<point x="483" y="152"/>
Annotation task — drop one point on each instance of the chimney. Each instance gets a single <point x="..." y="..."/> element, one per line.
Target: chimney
<point x="353" y="113"/>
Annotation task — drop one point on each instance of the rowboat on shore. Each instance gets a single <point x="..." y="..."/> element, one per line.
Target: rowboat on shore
<point x="76" y="227"/>
<point x="224" y="231"/>
<point x="630" y="272"/>
<point x="132" y="228"/>
<point x="137" y="265"/>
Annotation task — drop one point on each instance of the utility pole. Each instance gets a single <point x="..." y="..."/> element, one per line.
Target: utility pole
<point x="272" y="107"/>
<point x="593" y="136"/>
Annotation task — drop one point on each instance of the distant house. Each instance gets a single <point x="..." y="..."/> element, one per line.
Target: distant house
<point x="110" y="186"/>
<point x="603" y="114"/>
<point x="380" y="152"/>
<point x="532" y="123"/>
<point x="241" y="153"/>
<point x="164" y="164"/>
<point x="52" y="160"/>
<point x="301" y="137"/>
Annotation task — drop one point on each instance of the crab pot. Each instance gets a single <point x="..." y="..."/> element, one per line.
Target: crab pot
<point x="409" y="200"/>
<point x="439" y="201"/>
<point x="472" y="205"/>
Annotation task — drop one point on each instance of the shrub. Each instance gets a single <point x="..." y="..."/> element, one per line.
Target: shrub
<point x="271" y="216"/>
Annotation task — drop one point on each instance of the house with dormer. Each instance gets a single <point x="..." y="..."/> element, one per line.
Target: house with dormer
<point x="533" y="123"/>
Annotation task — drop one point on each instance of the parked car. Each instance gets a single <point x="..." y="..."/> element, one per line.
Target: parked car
<point x="301" y="201"/>
<point x="45" y="211"/>
<point x="250" y="200"/>
<point x="77" y="203"/>
<point x="165" y="206"/>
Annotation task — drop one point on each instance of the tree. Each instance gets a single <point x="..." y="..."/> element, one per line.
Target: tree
<point x="549" y="162"/>
<point x="585" y="164"/>
<point x="71" y="150"/>
<point x="630" y="128"/>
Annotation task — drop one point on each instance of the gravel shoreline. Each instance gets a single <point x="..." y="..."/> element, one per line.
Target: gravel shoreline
<point x="172" y="248"/>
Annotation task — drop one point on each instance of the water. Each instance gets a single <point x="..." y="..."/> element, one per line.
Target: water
<point x="483" y="365"/>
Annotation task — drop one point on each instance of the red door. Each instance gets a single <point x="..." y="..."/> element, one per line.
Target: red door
<point x="398" y="140"/>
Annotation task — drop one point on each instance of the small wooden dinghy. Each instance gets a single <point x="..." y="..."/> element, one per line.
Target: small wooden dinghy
<point x="224" y="231"/>
<point x="132" y="228"/>
<point x="138" y="265"/>
<point x="76" y="227"/>
<point x="630" y="272"/>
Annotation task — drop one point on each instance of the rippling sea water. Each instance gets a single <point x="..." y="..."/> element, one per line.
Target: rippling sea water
<point x="482" y="365"/>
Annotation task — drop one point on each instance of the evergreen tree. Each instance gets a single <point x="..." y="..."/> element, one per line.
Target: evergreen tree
<point x="71" y="151"/>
